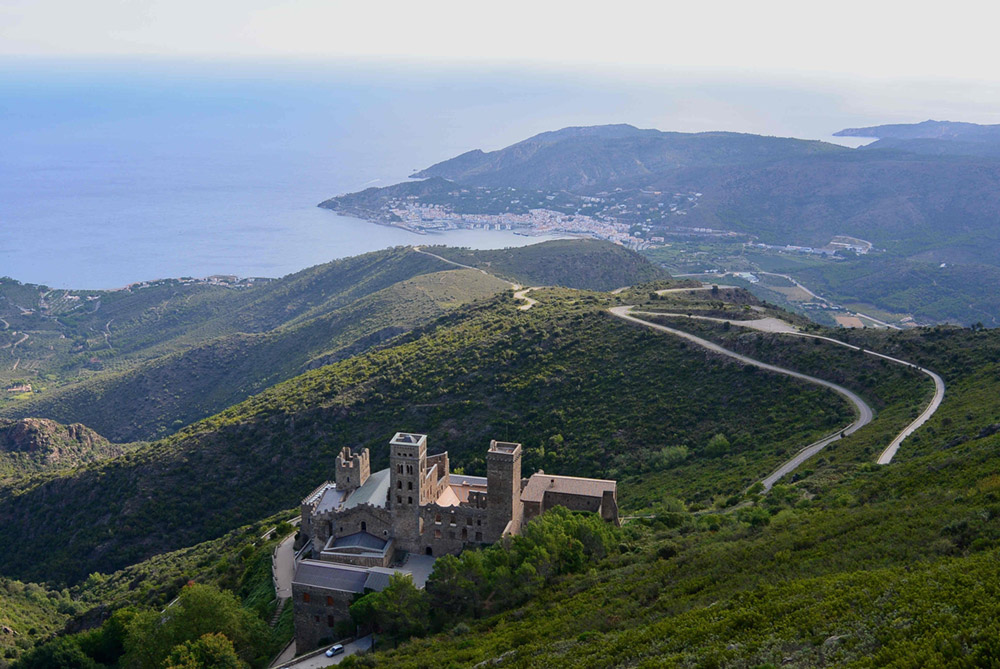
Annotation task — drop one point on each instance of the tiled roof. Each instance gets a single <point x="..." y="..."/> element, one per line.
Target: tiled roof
<point x="539" y="484"/>
<point x="361" y="540"/>
<point x="375" y="491"/>
<point x="459" y="479"/>
<point x="377" y="581"/>
<point x="330" y="576"/>
<point x="449" y="497"/>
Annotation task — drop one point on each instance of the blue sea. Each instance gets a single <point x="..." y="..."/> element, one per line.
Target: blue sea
<point x="114" y="172"/>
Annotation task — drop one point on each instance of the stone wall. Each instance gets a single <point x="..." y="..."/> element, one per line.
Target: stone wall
<point x="362" y="518"/>
<point x="450" y="529"/>
<point x="316" y="611"/>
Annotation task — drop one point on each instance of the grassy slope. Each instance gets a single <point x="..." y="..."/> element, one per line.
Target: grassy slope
<point x="160" y="396"/>
<point x="486" y="371"/>
<point x="854" y="564"/>
<point x="143" y="324"/>
<point x="582" y="263"/>
<point x="175" y="353"/>
<point x="859" y="565"/>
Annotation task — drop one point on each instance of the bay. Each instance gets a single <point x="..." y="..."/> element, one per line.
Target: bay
<point x="113" y="172"/>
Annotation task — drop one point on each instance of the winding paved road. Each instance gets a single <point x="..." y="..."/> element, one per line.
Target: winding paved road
<point x="779" y="326"/>
<point x="865" y="414"/>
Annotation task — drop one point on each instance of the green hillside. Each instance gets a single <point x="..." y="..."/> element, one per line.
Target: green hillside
<point x="141" y="363"/>
<point x="543" y="377"/>
<point x="580" y="263"/>
<point x="849" y="565"/>
<point x="160" y="396"/>
<point x="842" y="563"/>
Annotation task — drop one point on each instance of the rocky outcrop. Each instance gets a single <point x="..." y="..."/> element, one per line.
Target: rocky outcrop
<point x="31" y="444"/>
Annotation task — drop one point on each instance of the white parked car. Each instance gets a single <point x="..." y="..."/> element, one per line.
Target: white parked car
<point x="334" y="650"/>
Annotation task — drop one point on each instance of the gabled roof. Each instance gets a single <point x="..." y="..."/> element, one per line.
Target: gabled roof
<point x="539" y="484"/>
<point x="360" y="540"/>
<point x="375" y="491"/>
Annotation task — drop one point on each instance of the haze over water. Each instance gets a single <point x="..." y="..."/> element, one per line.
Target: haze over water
<point x="113" y="173"/>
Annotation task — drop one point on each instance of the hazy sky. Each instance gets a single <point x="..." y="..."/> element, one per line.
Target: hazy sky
<point x="877" y="39"/>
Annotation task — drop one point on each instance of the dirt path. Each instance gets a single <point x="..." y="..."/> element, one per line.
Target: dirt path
<point x="520" y="294"/>
<point x="523" y="295"/>
<point x="667" y="291"/>
<point x="14" y="345"/>
<point x="763" y="324"/>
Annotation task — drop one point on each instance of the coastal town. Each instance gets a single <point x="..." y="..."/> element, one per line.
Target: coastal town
<point x="536" y="222"/>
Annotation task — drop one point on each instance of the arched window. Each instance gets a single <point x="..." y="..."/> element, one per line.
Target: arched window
<point x="429" y="551"/>
<point x="364" y="526"/>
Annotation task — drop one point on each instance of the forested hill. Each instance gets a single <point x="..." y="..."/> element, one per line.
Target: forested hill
<point x="935" y="138"/>
<point x="843" y="563"/>
<point x="587" y="264"/>
<point x="604" y="157"/>
<point x="944" y="130"/>
<point x="587" y="394"/>
<point x="781" y="190"/>
<point x="141" y="363"/>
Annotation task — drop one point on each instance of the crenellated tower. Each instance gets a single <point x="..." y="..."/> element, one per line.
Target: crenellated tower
<point x="503" y="489"/>
<point x="352" y="469"/>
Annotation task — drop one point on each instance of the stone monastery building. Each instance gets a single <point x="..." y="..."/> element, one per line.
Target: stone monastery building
<point x="357" y="524"/>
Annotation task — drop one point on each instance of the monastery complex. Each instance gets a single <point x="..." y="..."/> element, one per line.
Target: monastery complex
<point x="363" y="526"/>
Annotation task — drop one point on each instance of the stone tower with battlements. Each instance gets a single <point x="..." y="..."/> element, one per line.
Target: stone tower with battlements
<point x="352" y="469"/>
<point x="503" y="496"/>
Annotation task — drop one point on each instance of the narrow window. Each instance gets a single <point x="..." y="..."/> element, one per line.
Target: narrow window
<point x="305" y="597"/>
<point x="409" y="500"/>
<point x="399" y="499"/>
<point x="329" y="600"/>
<point x="409" y="485"/>
<point x="437" y="534"/>
<point x="479" y="536"/>
<point x="329" y="621"/>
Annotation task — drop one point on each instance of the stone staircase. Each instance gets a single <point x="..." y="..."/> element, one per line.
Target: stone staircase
<point x="277" y="611"/>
